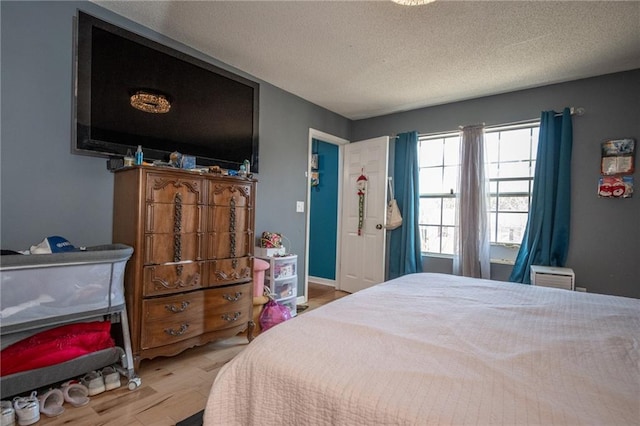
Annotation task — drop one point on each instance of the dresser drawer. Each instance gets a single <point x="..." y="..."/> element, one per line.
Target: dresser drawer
<point x="227" y="319"/>
<point x="222" y="245"/>
<point x="229" y="298"/>
<point x="165" y="248"/>
<point x="228" y="306"/>
<point x="228" y="219"/>
<point x="224" y="194"/>
<point x="167" y="188"/>
<point x="181" y="307"/>
<point x="229" y="271"/>
<point x="174" y="278"/>
<point x="171" y="319"/>
<point x="169" y="218"/>
<point x="174" y="318"/>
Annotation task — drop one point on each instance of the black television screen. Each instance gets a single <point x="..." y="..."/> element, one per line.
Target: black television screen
<point x="209" y="113"/>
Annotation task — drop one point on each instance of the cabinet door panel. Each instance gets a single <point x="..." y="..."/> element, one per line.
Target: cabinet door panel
<point x="228" y="219"/>
<point x="225" y="194"/>
<point x="164" y="248"/>
<point x="166" y="279"/>
<point x="167" y="218"/>
<point x="229" y="271"/>
<point x="225" y="245"/>
<point x="166" y="188"/>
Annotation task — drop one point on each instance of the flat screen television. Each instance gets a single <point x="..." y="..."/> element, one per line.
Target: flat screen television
<point x="187" y="105"/>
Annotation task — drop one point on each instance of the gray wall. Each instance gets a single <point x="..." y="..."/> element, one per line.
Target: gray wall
<point x="48" y="191"/>
<point x="605" y="233"/>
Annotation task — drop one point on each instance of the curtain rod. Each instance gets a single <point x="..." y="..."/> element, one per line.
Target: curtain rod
<point x="579" y="111"/>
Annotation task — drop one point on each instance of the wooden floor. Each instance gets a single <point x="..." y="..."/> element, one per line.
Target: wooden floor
<point x="172" y="388"/>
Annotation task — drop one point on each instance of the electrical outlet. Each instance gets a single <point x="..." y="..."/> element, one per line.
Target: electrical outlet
<point x="299" y="206"/>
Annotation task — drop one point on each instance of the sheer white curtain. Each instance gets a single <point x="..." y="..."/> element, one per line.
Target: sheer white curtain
<point x="472" y="242"/>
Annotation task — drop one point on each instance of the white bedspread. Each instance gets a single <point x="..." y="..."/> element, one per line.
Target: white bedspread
<point x="438" y="349"/>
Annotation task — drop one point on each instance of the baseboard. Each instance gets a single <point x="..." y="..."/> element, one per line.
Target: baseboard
<point x="322" y="281"/>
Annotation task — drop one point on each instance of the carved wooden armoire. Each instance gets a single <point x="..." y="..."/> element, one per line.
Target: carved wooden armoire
<point x="189" y="279"/>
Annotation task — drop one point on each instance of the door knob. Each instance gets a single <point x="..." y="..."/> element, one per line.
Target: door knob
<point x="379" y="226"/>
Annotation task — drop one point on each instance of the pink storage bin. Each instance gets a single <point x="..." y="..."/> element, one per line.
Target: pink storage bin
<point x="259" y="266"/>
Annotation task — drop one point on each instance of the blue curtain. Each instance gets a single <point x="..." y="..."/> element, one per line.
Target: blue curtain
<point x="546" y="238"/>
<point x="404" y="248"/>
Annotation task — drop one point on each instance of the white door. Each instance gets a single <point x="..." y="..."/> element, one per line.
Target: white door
<point x="362" y="255"/>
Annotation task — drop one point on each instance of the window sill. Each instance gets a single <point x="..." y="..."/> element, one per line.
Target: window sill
<point x="449" y="256"/>
<point x="503" y="261"/>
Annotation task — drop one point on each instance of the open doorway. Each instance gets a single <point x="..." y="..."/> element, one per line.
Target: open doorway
<point x="323" y="207"/>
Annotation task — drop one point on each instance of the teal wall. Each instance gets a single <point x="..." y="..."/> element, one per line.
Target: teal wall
<point x="323" y="213"/>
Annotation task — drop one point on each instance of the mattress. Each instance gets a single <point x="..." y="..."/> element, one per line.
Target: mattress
<point x="440" y="349"/>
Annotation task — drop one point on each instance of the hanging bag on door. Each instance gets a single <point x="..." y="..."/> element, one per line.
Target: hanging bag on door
<point x="394" y="217"/>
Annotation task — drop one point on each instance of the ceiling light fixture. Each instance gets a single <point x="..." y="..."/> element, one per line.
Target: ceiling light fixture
<point x="412" y="2"/>
<point x="153" y="103"/>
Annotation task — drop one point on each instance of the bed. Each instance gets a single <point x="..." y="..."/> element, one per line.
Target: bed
<point x="439" y="349"/>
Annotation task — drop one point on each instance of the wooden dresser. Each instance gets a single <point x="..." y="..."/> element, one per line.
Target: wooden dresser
<point x="189" y="279"/>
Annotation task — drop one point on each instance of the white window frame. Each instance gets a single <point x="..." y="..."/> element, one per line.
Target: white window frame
<point x="501" y="252"/>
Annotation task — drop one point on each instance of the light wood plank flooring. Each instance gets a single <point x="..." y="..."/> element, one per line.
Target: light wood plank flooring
<point x="172" y="388"/>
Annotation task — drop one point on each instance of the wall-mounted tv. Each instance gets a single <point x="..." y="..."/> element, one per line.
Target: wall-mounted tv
<point x="187" y="105"/>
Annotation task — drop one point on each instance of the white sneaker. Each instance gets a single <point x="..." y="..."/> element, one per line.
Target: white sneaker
<point x="75" y="393"/>
<point x="8" y="417"/>
<point x="27" y="409"/>
<point x="94" y="382"/>
<point x="111" y="378"/>
<point x="51" y="403"/>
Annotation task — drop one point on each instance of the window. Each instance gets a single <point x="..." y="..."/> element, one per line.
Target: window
<point x="510" y="155"/>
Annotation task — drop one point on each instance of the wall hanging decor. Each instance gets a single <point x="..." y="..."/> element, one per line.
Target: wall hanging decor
<point x="618" y="157"/>
<point x="615" y="186"/>
<point x="616" y="167"/>
<point x="315" y="166"/>
<point x="361" y="185"/>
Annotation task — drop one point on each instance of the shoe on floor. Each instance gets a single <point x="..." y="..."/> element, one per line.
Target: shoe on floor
<point x="94" y="382"/>
<point x="51" y="403"/>
<point x="111" y="378"/>
<point x="27" y="409"/>
<point x="8" y="417"/>
<point x="75" y="393"/>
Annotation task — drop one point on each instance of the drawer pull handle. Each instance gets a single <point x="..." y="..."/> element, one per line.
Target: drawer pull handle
<point x="232" y="298"/>
<point x="230" y="318"/>
<point x="175" y="309"/>
<point x="172" y="332"/>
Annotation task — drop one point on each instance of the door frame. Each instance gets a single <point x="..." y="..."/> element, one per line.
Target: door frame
<point x="340" y="142"/>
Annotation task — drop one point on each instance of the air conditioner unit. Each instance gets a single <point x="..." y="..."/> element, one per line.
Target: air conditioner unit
<point x="552" y="276"/>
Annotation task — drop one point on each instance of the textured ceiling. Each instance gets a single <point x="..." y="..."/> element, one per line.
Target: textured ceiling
<point x="367" y="58"/>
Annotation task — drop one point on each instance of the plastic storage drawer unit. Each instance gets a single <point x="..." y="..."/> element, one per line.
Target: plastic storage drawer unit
<point x="290" y="303"/>
<point x="284" y="267"/>
<point x="285" y="288"/>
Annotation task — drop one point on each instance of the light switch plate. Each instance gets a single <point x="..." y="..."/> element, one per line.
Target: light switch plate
<point x="299" y="206"/>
